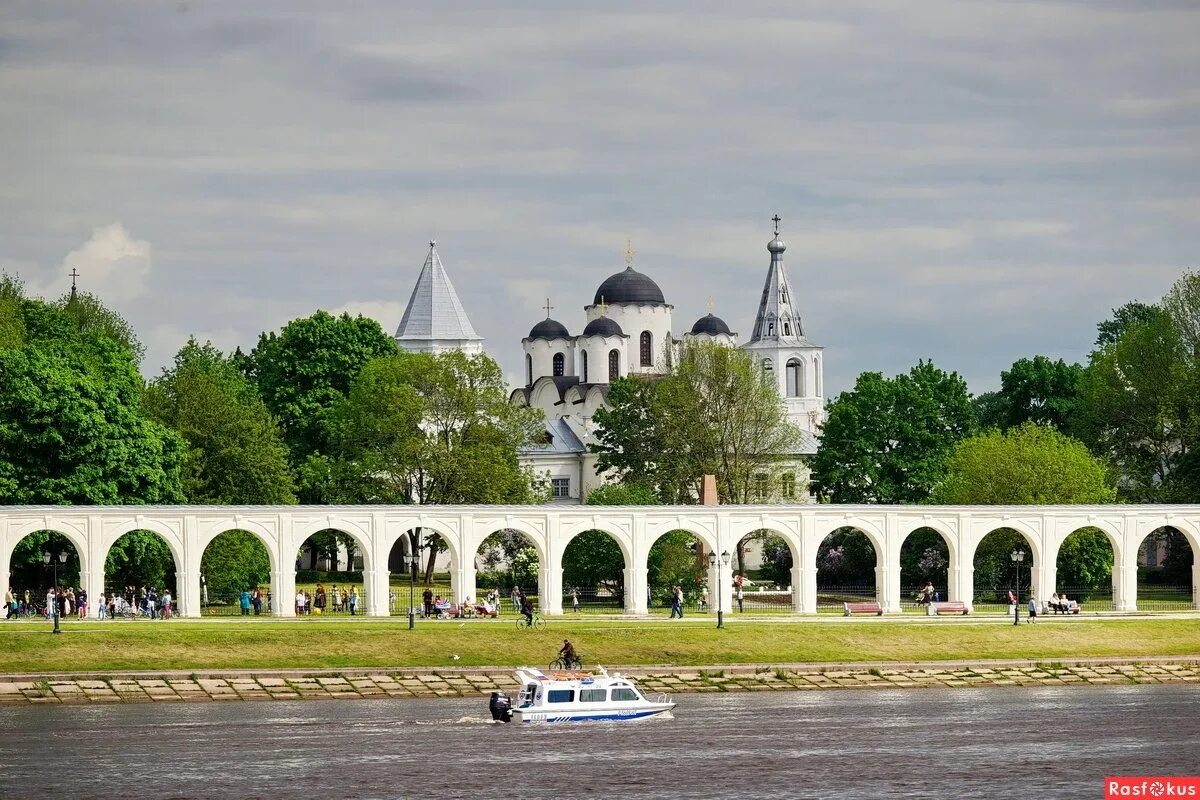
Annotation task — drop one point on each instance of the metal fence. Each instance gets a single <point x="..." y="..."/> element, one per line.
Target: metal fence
<point x="831" y="599"/>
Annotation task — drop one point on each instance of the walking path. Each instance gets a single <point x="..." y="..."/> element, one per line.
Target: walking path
<point x="479" y="681"/>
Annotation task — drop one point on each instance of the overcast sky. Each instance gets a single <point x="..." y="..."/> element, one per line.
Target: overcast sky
<point x="970" y="182"/>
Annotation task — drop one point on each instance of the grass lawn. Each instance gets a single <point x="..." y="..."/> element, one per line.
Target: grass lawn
<point x="320" y="643"/>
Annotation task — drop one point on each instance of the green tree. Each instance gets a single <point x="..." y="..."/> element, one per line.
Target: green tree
<point x="1029" y="465"/>
<point x="419" y="428"/>
<point x="1133" y="313"/>
<point x="846" y="558"/>
<point x="139" y="558"/>
<point x="1085" y="561"/>
<point x="888" y="440"/>
<point x="235" y="454"/>
<point x="233" y="562"/>
<point x="90" y="316"/>
<point x="308" y="367"/>
<point x="1140" y="411"/>
<point x="715" y="413"/>
<point x="71" y="424"/>
<point x="1035" y="390"/>
<point x="672" y="561"/>
<point x="12" y="323"/>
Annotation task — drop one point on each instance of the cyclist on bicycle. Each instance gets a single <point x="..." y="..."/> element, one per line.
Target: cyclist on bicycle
<point x="527" y="610"/>
<point x="568" y="654"/>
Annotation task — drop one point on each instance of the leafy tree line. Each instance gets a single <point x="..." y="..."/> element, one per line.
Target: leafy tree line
<point x="326" y="410"/>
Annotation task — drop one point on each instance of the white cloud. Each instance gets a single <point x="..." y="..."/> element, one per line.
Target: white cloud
<point x="112" y="264"/>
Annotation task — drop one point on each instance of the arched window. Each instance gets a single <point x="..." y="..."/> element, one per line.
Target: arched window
<point x="817" y="370"/>
<point x="583" y="363"/>
<point x="558" y="365"/>
<point x="614" y="365"/>
<point x="795" y="378"/>
<point x="528" y="369"/>
<point x="647" y="349"/>
<point x="787" y="484"/>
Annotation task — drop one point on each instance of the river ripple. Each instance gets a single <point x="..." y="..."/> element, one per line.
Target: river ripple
<point x="1035" y="743"/>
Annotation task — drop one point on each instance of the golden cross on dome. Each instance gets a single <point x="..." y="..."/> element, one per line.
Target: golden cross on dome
<point x="548" y="308"/>
<point x="710" y="305"/>
<point x="629" y="253"/>
<point x="602" y="306"/>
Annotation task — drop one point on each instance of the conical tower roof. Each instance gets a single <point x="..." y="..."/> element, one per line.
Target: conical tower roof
<point x="434" y="312"/>
<point x="778" y="320"/>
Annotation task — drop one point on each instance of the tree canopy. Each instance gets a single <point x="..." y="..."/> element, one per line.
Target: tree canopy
<point x="1028" y="465"/>
<point x="888" y="440"/>
<point x="235" y="454"/>
<point x="1034" y="390"/>
<point x="715" y="413"/>
<point x="308" y="367"/>
<point x="71" y="423"/>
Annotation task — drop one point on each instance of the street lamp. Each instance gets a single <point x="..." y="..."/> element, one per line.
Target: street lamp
<point x="1018" y="557"/>
<point x="714" y="564"/>
<point x="411" y="560"/>
<point x="49" y="560"/>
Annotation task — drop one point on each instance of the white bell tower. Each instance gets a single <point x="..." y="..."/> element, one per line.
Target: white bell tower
<point x="784" y="351"/>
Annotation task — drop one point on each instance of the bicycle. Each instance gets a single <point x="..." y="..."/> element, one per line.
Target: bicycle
<point x="570" y="665"/>
<point x="524" y="624"/>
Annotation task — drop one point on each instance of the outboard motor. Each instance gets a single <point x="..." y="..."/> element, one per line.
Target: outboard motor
<point x="501" y="707"/>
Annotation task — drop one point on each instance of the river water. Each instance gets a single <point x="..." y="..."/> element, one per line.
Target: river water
<point x="1026" y="743"/>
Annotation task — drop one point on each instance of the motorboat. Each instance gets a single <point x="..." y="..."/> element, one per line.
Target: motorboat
<point x="577" y="697"/>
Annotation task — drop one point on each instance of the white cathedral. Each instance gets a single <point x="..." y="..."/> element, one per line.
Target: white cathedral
<point x="629" y="330"/>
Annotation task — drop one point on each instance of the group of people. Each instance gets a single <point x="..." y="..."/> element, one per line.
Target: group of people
<point x="927" y="594"/>
<point x="255" y="600"/>
<point x="26" y="604"/>
<point x="142" y="601"/>
<point x="334" y="600"/>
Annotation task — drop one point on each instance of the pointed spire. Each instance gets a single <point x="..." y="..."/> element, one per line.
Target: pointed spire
<point x="778" y="320"/>
<point x="435" y="318"/>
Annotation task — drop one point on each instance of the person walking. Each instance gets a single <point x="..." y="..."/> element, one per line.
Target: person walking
<point x="166" y="604"/>
<point x="575" y="600"/>
<point x="256" y="600"/>
<point x="81" y="603"/>
<point x="427" y="602"/>
<point x="1033" y="609"/>
<point x="10" y="604"/>
<point x="704" y="597"/>
<point x="244" y="602"/>
<point x="353" y="601"/>
<point x="737" y="593"/>
<point x="676" y="603"/>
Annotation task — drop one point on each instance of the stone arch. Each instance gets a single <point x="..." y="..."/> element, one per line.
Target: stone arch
<point x="214" y="595"/>
<point x="797" y="383"/>
<point x="674" y="567"/>
<point x="362" y="539"/>
<point x="168" y="536"/>
<point x="77" y="537"/>
<point x="1167" y="595"/>
<point x="836" y="583"/>
<point x="1001" y="573"/>
<point x="1101" y="597"/>
<point x="76" y="563"/>
<point x="779" y="590"/>
<point x="943" y="579"/>
<point x="261" y="532"/>
<point x="591" y="597"/>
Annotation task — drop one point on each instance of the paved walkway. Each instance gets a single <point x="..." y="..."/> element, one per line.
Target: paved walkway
<point x="479" y="681"/>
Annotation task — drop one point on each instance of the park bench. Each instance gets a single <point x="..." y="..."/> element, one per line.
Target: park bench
<point x="862" y="608"/>
<point x="954" y="607"/>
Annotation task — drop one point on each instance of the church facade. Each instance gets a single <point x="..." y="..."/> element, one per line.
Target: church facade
<point x="628" y="328"/>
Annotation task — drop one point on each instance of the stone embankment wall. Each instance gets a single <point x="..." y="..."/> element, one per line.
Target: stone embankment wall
<point x="475" y="682"/>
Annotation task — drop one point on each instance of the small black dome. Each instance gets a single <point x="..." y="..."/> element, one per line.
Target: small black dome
<point x="711" y="325"/>
<point x="549" y="329"/>
<point x="602" y="326"/>
<point x="629" y="286"/>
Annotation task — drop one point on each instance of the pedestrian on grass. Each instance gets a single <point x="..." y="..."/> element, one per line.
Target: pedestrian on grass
<point x="676" y="602"/>
<point x="1033" y="609"/>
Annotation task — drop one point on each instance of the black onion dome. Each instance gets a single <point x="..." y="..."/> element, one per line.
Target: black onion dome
<point x="714" y="326"/>
<point x="603" y="326"/>
<point x="549" y="329"/>
<point x="629" y="286"/>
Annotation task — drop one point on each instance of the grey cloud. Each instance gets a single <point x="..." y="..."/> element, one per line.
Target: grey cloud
<point x="969" y="181"/>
